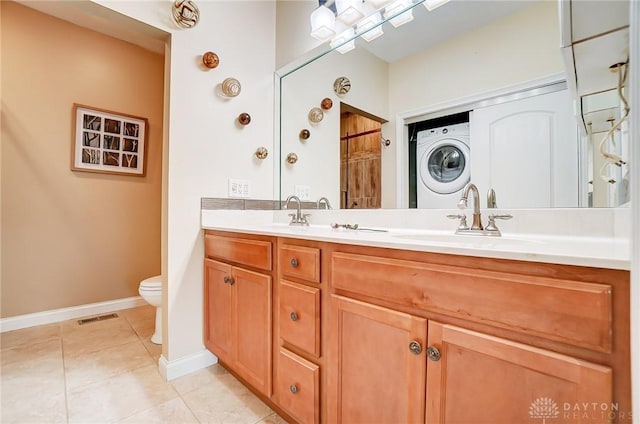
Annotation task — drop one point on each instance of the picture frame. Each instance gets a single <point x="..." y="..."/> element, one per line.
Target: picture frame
<point x="108" y="142"/>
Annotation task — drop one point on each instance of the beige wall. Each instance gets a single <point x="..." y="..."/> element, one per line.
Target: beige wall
<point x="72" y="238"/>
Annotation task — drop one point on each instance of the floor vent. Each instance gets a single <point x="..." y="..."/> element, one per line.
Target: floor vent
<point x="98" y="318"/>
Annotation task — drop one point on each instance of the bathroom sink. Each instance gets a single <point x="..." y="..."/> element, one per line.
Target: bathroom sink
<point x="467" y="240"/>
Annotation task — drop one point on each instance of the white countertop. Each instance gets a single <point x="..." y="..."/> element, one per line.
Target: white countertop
<point x="602" y="251"/>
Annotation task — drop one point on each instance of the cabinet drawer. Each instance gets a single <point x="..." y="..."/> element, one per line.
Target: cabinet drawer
<point x="253" y="253"/>
<point x="300" y="262"/>
<point x="568" y="311"/>
<point x="299" y="316"/>
<point x="298" y="387"/>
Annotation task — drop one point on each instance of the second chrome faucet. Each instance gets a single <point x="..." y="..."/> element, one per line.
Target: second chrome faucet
<point x="476" y="226"/>
<point x="297" y="218"/>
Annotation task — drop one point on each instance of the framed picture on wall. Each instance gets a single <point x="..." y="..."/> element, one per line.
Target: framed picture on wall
<point x="108" y="142"/>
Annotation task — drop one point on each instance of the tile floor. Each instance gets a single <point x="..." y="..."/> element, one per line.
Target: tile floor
<point x="106" y="372"/>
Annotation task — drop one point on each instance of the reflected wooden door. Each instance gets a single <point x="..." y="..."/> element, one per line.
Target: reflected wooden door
<point x="360" y="162"/>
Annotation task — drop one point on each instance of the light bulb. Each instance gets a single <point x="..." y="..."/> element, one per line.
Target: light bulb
<point x="322" y="23"/>
<point x="366" y="27"/>
<point x="345" y="35"/>
<point x="433" y="4"/>
<point x="397" y="7"/>
<point x="349" y="11"/>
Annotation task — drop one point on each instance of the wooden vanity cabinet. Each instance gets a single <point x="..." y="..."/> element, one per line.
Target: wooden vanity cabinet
<point x="475" y="377"/>
<point x="237" y="306"/>
<point x="448" y="339"/>
<point x="299" y="359"/>
<point x="361" y="334"/>
<point x="376" y="368"/>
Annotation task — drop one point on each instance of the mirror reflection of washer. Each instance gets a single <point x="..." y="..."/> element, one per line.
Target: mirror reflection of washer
<point x="444" y="166"/>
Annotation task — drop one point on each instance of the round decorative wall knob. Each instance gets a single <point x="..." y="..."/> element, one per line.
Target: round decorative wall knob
<point x="210" y="60"/>
<point x="185" y="13"/>
<point x="341" y="86"/>
<point x="326" y="103"/>
<point x="305" y="134"/>
<point x="292" y="158"/>
<point x="230" y="87"/>
<point x="262" y="153"/>
<point x="244" y="118"/>
<point x="316" y="115"/>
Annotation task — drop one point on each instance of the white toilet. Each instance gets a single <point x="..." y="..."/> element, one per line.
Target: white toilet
<point x="151" y="291"/>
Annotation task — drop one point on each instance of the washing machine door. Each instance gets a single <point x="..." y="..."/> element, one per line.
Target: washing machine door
<point x="445" y="167"/>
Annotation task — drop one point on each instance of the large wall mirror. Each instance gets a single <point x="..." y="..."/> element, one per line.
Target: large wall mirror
<point x="473" y="90"/>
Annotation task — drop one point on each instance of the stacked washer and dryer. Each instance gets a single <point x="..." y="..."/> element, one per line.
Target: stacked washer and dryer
<point x="443" y="165"/>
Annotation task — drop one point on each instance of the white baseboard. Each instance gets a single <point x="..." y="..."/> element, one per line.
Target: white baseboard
<point x="171" y="370"/>
<point x="57" y="315"/>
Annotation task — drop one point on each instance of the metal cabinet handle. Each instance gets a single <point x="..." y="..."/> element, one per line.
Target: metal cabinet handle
<point x="226" y="279"/>
<point x="293" y="389"/>
<point x="231" y="281"/>
<point x="433" y="353"/>
<point x="415" y="347"/>
<point x="293" y="316"/>
<point x="294" y="262"/>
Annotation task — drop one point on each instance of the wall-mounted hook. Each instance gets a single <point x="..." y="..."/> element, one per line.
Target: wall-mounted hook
<point x="210" y="60"/>
<point x="230" y="87"/>
<point x="292" y="158"/>
<point x="304" y="134"/>
<point x="262" y="153"/>
<point x="244" y="118"/>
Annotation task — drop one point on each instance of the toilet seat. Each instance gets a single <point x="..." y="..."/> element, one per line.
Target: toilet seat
<point x="152" y="284"/>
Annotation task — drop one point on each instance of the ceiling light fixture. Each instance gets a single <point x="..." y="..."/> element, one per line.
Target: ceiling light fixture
<point x="433" y="4"/>
<point x="392" y="12"/>
<point x="323" y="22"/>
<point x="360" y="18"/>
<point x="349" y="11"/>
<point x="339" y="42"/>
<point x="365" y="28"/>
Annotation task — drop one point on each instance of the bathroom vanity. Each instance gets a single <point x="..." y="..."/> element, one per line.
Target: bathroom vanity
<point x="336" y="327"/>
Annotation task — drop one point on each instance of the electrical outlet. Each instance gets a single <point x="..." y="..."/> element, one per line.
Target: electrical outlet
<point x="302" y="191"/>
<point x="239" y="188"/>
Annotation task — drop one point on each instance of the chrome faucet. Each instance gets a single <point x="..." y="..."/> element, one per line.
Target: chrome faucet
<point x="297" y="218"/>
<point x="462" y="204"/>
<point x="325" y="201"/>
<point x="476" y="227"/>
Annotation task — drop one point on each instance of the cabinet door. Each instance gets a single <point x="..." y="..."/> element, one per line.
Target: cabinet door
<point x="253" y="327"/>
<point x="298" y="387"/>
<point x="373" y="375"/>
<point x="484" y="379"/>
<point x="218" y="310"/>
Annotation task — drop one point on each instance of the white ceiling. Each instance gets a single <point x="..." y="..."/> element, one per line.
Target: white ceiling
<point x="432" y="27"/>
<point x="93" y="16"/>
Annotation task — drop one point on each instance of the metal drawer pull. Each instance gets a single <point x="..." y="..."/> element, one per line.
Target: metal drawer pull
<point x="294" y="316"/>
<point x="293" y="388"/>
<point x="433" y="353"/>
<point x="415" y="347"/>
<point x="294" y="262"/>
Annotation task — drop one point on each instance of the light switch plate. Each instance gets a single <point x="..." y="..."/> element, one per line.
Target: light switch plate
<point x="239" y="188"/>
<point x="302" y="191"/>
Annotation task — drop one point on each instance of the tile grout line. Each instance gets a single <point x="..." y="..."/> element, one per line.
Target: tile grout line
<point x="64" y="373"/>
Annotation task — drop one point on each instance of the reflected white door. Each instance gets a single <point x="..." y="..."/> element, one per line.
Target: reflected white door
<point x="527" y="151"/>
